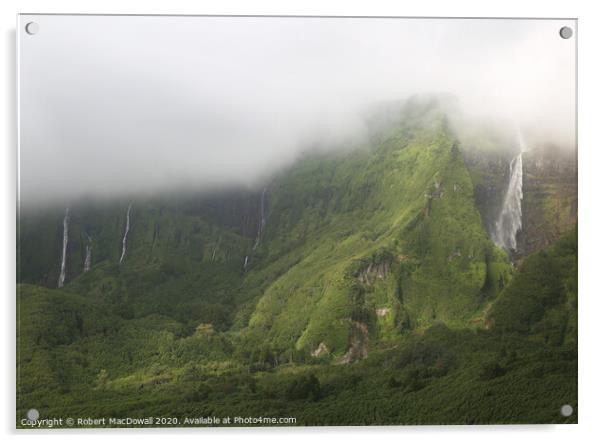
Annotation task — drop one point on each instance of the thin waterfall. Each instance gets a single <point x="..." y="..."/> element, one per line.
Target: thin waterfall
<point x="510" y="219"/>
<point x="125" y="234"/>
<point x="261" y="219"/>
<point x="61" y="281"/>
<point x="88" y="260"/>
<point x="215" y="247"/>
<point x="246" y="261"/>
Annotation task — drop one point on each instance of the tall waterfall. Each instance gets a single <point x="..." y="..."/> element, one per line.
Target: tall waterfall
<point x="88" y="260"/>
<point x="510" y="219"/>
<point x="61" y="281"/>
<point x="125" y="234"/>
<point x="261" y="219"/>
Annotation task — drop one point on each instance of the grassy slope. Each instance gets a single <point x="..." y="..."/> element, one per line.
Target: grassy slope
<point x="410" y="199"/>
<point x="519" y="370"/>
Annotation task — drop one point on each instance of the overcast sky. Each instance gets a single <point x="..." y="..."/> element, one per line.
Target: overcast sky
<point x="113" y="105"/>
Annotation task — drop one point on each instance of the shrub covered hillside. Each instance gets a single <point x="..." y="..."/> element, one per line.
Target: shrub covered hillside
<point x="359" y="286"/>
<point x="382" y="241"/>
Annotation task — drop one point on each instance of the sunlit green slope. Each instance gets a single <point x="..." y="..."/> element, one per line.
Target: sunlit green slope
<point x="367" y="245"/>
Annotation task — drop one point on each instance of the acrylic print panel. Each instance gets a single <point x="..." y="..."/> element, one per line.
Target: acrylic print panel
<point x="289" y="221"/>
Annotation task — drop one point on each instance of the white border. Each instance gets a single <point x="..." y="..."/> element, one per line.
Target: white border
<point x="590" y="145"/>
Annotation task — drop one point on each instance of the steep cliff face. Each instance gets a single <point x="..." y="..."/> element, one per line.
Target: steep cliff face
<point x="550" y="197"/>
<point x="490" y="174"/>
<point x="213" y="228"/>
<point x="549" y="191"/>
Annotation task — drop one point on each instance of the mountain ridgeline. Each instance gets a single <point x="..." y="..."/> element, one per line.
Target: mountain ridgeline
<point x="297" y="292"/>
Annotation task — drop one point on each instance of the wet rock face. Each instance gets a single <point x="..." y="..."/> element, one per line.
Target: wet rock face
<point x="490" y="175"/>
<point x="550" y="199"/>
<point x="374" y="271"/>
<point x="241" y="210"/>
<point x="359" y="344"/>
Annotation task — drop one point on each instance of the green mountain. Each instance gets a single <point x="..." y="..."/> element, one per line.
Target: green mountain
<point x="354" y="282"/>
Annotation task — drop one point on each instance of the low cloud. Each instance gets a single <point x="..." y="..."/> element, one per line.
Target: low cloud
<point x="119" y="105"/>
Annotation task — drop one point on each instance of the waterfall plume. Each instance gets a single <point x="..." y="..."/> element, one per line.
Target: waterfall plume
<point x="61" y="281"/>
<point x="510" y="220"/>
<point x="125" y="234"/>
<point x="261" y="219"/>
<point x="88" y="259"/>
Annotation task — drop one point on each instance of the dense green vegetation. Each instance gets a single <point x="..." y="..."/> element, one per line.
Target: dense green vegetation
<point x="369" y="294"/>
